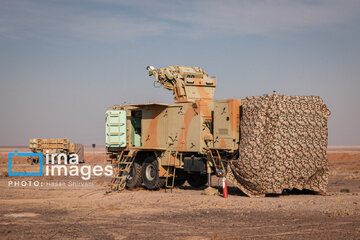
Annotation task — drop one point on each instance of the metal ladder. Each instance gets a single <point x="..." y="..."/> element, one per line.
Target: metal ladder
<point x="216" y="160"/>
<point x="122" y="168"/>
<point x="168" y="174"/>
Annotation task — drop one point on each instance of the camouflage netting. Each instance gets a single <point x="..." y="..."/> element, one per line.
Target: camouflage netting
<point x="283" y="145"/>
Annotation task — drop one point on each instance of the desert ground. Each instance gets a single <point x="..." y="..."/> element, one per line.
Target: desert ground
<point x="82" y="210"/>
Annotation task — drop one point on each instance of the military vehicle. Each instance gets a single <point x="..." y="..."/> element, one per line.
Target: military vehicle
<point x="54" y="146"/>
<point x="164" y="145"/>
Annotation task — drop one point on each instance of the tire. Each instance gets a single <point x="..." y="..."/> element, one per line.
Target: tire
<point x="197" y="180"/>
<point x="150" y="174"/>
<point x="134" y="178"/>
<point x="179" y="182"/>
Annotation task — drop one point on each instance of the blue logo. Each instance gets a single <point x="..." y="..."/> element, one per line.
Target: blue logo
<point x="26" y="155"/>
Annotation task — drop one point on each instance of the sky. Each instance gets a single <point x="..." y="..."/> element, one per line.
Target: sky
<point x="62" y="63"/>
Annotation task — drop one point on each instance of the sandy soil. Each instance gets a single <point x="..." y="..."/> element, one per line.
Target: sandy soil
<point x="85" y="212"/>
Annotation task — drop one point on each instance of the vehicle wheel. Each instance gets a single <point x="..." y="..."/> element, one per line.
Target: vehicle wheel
<point x="179" y="182"/>
<point x="134" y="178"/>
<point x="150" y="174"/>
<point x="197" y="180"/>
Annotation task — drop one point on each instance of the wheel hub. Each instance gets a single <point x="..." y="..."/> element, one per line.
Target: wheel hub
<point x="150" y="172"/>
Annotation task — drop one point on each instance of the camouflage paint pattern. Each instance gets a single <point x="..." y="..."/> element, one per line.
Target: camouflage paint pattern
<point x="186" y="125"/>
<point x="187" y="83"/>
<point x="227" y="123"/>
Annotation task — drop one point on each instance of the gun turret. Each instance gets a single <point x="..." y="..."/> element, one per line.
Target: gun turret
<point x="187" y="83"/>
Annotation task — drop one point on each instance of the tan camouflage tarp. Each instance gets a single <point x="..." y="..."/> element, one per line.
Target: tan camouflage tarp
<point x="283" y="145"/>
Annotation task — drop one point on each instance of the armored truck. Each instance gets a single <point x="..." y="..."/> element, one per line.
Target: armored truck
<point x="164" y="145"/>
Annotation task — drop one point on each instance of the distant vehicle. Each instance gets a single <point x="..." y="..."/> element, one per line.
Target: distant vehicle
<point x="55" y="146"/>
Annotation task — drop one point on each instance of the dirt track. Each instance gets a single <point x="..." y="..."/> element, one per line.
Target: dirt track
<point x="51" y="212"/>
